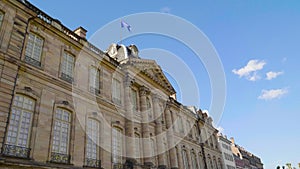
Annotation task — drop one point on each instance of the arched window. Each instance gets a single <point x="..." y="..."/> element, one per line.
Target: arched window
<point x="61" y="136"/>
<point x="117" y="145"/>
<point x="19" y="128"/>
<point x="92" y="143"/>
<point x="185" y="159"/>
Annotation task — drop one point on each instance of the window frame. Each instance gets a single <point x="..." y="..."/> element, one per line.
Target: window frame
<point x="58" y="156"/>
<point x="116" y="91"/>
<point x="15" y="149"/>
<point x="134" y="99"/>
<point x="30" y="57"/>
<point x="64" y="66"/>
<point x="137" y="142"/>
<point x="117" y="158"/>
<point x="93" y="161"/>
<point x="94" y="80"/>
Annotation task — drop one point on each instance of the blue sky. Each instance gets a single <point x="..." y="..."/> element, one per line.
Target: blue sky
<point x="252" y="38"/>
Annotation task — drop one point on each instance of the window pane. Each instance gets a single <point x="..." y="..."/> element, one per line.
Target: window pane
<point x="117" y="145"/>
<point x="116" y="91"/>
<point x="67" y="64"/>
<point x="20" y="121"/>
<point x="92" y="139"/>
<point x="34" y="47"/>
<point x="137" y="146"/>
<point x="95" y="78"/>
<point x="61" y="131"/>
<point x="134" y="99"/>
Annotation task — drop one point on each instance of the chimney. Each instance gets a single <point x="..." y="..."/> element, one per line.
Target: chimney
<point x="232" y="140"/>
<point x="81" y="32"/>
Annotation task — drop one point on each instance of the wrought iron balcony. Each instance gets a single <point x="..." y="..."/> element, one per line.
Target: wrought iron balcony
<point x="66" y="77"/>
<point x="60" y="158"/>
<point x="32" y="61"/>
<point x="92" y="163"/>
<point x="16" y="151"/>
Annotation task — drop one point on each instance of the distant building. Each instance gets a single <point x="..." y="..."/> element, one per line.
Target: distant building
<point x="228" y="157"/>
<point x="244" y="159"/>
<point x="66" y="104"/>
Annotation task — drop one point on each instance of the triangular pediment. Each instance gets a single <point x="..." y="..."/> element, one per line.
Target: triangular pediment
<point x="151" y="69"/>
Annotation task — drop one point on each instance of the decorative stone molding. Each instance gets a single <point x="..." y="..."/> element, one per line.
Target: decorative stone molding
<point x="144" y="91"/>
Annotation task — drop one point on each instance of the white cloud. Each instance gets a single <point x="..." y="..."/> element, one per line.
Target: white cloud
<point x="250" y="70"/>
<point x="165" y="10"/>
<point x="272" y="75"/>
<point x="272" y="94"/>
<point x="254" y="77"/>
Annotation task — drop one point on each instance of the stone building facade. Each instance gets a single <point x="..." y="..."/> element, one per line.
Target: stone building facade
<point x="228" y="158"/>
<point x="244" y="159"/>
<point x="64" y="103"/>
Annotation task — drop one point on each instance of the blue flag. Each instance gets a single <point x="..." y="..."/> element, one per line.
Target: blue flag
<point x="124" y="24"/>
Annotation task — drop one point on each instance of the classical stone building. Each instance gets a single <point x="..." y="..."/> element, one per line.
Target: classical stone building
<point x="244" y="159"/>
<point x="228" y="158"/>
<point x="64" y="103"/>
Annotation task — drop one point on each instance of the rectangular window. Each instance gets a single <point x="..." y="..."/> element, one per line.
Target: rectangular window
<point x="17" y="140"/>
<point x="117" y="147"/>
<point x="94" y="80"/>
<point x="34" y="50"/>
<point x="153" y="151"/>
<point x="134" y="99"/>
<point x="116" y="91"/>
<point x="61" y="136"/>
<point x="137" y="146"/>
<point x="181" y="129"/>
<point x="92" y="143"/>
<point x="67" y="67"/>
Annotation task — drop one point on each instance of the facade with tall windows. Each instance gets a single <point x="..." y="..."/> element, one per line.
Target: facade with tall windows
<point x="64" y="103"/>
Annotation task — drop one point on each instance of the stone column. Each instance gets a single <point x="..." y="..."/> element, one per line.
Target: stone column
<point x="170" y="137"/>
<point x="158" y="132"/>
<point x="129" y="124"/>
<point x="144" y="91"/>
